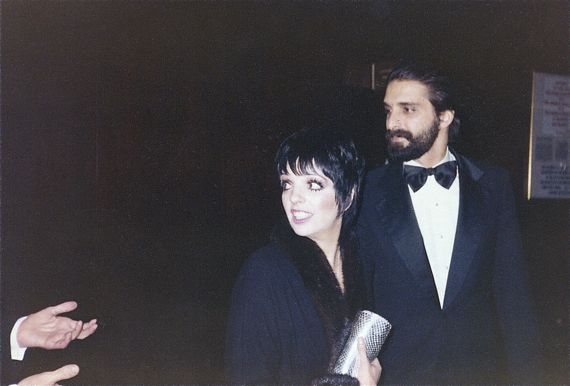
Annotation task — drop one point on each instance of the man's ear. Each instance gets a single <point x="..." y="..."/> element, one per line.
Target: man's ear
<point x="445" y="118"/>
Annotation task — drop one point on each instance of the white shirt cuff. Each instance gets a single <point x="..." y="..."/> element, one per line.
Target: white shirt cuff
<point x="17" y="351"/>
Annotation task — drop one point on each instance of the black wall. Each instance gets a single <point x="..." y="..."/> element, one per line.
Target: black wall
<point x="137" y="143"/>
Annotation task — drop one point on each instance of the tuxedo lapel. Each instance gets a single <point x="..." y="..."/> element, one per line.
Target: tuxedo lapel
<point x="469" y="227"/>
<point x="396" y="213"/>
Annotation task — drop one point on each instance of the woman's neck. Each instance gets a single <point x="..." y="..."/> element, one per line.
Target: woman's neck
<point x="332" y="253"/>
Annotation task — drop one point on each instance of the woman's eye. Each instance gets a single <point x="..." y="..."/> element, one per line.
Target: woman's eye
<point x="285" y="185"/>
<point x="315" y="185"/>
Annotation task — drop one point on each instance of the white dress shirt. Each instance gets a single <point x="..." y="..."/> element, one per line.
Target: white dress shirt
<point x="17" y="352"/>
<point x="436" y="210"/>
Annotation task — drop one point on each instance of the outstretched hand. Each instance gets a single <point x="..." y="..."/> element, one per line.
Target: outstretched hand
<point x="47" y="330"/>
<point x="368" y="372"/>
<point x="50" y="378"/>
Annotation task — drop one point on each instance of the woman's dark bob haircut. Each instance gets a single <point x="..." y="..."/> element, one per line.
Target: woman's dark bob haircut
<point x="312" y="149"/>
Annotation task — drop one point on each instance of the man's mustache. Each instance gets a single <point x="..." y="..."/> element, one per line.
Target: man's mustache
<point x="398" y="133"/>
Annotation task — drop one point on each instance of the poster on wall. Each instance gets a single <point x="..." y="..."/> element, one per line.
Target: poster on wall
<point x="549" y="168"/>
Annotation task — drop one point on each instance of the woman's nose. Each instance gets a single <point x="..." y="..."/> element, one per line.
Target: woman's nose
<point x="296" y="196"/>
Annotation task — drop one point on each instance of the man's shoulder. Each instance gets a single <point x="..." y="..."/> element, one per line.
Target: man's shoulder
<point x="379" y="173"/>
<point x="482" y="170"/>
<point x="379" y="170"/>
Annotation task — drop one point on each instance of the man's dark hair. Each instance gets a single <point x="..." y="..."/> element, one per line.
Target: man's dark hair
<point x="335" y="154"/>
<point x="442" y="93"/>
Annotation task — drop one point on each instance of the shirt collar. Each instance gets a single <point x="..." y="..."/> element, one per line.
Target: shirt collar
<point x="448" y="157"/>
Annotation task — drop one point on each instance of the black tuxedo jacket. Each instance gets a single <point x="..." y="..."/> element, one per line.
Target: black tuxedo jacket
<point x="486" y="331"/>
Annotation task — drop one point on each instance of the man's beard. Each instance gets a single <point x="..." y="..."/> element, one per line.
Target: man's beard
<point x="417" y="146"/>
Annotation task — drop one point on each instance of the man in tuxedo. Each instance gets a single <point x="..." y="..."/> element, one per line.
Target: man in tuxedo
<point x="441" y="249"/>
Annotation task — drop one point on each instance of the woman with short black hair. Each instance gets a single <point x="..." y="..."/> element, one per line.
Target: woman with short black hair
<point x="294" y="297"/>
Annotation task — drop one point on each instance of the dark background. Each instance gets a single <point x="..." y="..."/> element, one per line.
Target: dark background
<point x="137" y="140"/>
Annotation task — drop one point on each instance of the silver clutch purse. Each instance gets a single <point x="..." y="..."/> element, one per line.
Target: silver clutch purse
<point x="374" y="329"/>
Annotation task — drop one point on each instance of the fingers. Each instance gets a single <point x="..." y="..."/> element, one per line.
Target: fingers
<point x="376" y="370"/>
<point x="47" y="329"/>
<point x="88" y="329"/>
<point x="63" y="308"/>
<point x="65" y="372"/>
<point x="59" y="341"/>
<point x="77" y="330"/>
<point x="362" y="349"/>
<point x="366" y="372"/>
<point x="51" y="377"/>
<point x="376" y="364"/>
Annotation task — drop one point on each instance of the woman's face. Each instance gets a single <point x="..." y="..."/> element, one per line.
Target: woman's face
<point x="310" y="204"/>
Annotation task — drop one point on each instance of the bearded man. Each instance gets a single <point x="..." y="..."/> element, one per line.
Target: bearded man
<point x="441" y="249"/>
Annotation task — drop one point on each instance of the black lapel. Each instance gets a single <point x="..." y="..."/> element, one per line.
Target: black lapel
<point x="396" y="213"/>
<point x="469" y="226"/>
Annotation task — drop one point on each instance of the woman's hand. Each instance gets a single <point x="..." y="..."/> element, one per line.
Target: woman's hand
<point x="368" y="372"/>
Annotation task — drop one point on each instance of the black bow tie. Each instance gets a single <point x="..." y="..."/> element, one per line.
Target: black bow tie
<point x="444" y="174"/>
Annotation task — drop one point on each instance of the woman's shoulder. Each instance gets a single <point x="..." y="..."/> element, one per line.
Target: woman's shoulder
<point x="268" y="270"/>
<point x="270" y="258"/>
<point x="268" y="252"/>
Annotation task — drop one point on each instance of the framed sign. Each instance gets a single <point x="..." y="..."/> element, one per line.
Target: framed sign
<point x="549" y="169"/>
